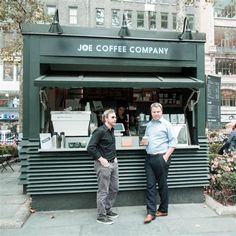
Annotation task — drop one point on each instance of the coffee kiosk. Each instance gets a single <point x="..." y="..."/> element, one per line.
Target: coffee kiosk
<point x="69" y="79"/>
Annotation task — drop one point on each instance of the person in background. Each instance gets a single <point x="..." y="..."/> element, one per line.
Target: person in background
<point x="122" y="118"/>
<point x="230" y="144"/>
<point x="160" y="143"/>
<point x="102" y="148"/>
<point x="232" y="139"/>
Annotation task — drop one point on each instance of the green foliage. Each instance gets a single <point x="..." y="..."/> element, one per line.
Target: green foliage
<point x="223" y="177"/>
<point x="212" y="156"/>
<point x="228" y="181"/>
<point x="215" y="147"/>
<point x="9" y="149"/>
<point x="222" y="185"/>
<point x="13" y="14"/>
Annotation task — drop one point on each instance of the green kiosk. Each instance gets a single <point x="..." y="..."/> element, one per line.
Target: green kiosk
<point x="70" y="78"/>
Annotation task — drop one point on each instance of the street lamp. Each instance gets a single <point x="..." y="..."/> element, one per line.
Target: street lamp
<point x="186" y="29"/>
<point x="55" y="26"/>
<point x="124" y="30"/>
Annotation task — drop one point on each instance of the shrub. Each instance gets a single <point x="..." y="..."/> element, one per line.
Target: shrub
<point x="215" y="147"/>
<point x="223" y="178"/>
<point x="9" y="149"/>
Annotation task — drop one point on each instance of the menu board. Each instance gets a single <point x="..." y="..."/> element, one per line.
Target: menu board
<point x="213" y="102"/>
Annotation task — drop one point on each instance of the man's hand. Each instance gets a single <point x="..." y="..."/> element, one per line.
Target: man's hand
<point x="103" y="161"/>
<point x="165" y="157"/>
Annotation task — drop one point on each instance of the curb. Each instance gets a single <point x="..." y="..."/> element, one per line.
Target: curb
<point x="219" y="208"/>
<point x="20" y="217"/>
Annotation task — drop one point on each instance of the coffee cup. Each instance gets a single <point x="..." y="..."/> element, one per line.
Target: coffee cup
<point x="144" y="140"/>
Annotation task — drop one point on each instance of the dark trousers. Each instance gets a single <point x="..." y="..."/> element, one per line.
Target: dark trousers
<point x="156" y="172"/>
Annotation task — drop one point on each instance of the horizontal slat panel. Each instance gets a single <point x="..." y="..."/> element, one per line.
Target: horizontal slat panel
<point x="73" y="172"/>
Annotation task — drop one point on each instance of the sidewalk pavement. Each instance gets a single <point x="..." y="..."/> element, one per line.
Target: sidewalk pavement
<point x="14" y="205"/>
<point x="183" y="219"/>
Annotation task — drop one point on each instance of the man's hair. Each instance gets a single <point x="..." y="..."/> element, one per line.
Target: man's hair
<point x="156" y="104"/>
<point x="106" y="113"/>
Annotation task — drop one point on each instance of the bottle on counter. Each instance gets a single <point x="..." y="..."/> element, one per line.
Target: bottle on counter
<point x="55" y="140"/>
<point x="87" y="107"/>
<point x="63" y="139"/>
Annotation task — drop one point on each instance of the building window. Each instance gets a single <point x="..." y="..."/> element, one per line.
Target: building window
<point x="225" y="9"/>
<point x="51" y="9"/>
<point x="225" y="66"/>
<point x="8" y="71"/>
<point x="164" y="1"/>
<point x="100" y="17"/>
<point x="190" y="21"/>
<point x="174" y="24"/>
<point x="152" y="22"/>
<point x="140" y="19"/>
<point x="151" y="1"/>
<point x="229" y="102"/>
<point x="115" y="17"/>
<point x="129" y="20"/>
<point x="73" y="15"/>
<point x="19" y="71"/>
<point x="225" y="39"/>
<point x="164" y="20"/>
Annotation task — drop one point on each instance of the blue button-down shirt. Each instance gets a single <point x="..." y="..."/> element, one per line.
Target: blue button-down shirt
<point x="160" y="136"/>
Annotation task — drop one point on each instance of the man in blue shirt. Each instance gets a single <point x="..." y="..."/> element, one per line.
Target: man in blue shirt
<point x="161" y="142"/>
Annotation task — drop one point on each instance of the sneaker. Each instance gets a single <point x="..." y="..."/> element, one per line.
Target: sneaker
<point x="104" y="220"/>
<point x="112" y="214"/>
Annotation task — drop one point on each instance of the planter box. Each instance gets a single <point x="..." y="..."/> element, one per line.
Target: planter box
<point x="219" y="208"/>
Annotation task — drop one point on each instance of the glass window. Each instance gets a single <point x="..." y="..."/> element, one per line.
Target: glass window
<point x="190" y="21"/>
<point x="19" y="71"/>
<point x="100" y="17"/>
<point x="165" y="1"/>
<point x="151" y="1"/>
<point x="115" y="17"/>
<point x="152" y="20"/>
<point x="164" y="20"/>
<point x="228" y="101"/>
<point x="225" y="9"/>
<point x="225" y="39"/>
<point x="51" y="10"/>
<point x="73" y="15"/>
<point x="174" y="24"/>
<point x="8" y="71"/>
<point x="140" y="19"/>
<point x="128" y="14"/>
<point x="225" y="66"/>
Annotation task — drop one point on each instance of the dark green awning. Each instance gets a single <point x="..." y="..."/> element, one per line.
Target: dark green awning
<point x="114" y="81"/>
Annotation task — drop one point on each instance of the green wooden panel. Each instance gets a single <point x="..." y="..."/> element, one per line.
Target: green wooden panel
<point x="72" y="172"/>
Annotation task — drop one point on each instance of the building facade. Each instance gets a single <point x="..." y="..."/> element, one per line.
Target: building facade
<point x="225" y="56"/>
<point x="150" y="15"/>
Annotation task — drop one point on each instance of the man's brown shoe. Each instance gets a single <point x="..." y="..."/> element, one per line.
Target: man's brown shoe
<point x="159" y="213"/>
<point x="149" y="218"/>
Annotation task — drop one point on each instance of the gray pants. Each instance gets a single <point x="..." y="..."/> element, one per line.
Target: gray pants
<point x="108" y="186"/>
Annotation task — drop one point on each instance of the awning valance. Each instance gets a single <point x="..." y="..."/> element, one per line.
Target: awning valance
<point x="114" y="81"/>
